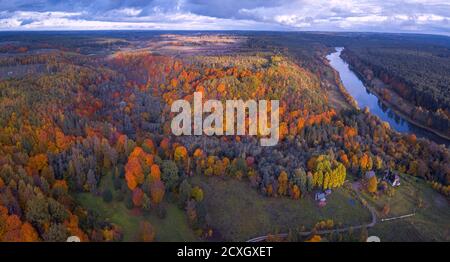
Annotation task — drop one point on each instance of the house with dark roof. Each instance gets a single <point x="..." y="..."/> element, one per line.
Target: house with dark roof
<point x="392" y="178"/>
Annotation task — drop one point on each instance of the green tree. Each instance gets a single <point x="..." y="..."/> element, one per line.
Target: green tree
<point x="169" y="174"/>
<point x="107" y="196"/>
<point x="56" y="233"/>
<point x="57" y="211"/>
<point x="146" y="203"/>
<point x="300" y="178"/>
<point x="37" y="211"/>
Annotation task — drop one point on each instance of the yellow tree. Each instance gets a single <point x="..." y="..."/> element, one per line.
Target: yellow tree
<point x="295" y="192"/>
<point x="147" y="232"/>
<point x="197" y="193"/>
<point x="372" y="184"/>
<point x="327" y="181"/>
<point x="282" y="183"/>
<point x="180" y="153"/>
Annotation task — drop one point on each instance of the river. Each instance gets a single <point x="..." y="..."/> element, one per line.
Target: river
<point x="364" y="98"/>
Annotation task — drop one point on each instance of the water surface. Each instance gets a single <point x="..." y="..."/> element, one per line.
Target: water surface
<point x="364" y="98"/>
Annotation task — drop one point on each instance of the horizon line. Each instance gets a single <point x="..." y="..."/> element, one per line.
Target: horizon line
<point x="224" y="30"/>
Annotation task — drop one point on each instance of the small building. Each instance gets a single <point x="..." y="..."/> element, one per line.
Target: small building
<point x="392" y="178"/>
<point x="320" y="196"/>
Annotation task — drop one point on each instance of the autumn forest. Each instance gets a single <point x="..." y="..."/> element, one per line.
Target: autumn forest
<point x="86" y="147"/>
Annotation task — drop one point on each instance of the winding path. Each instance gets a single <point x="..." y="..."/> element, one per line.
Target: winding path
<point x="328" y="231"/>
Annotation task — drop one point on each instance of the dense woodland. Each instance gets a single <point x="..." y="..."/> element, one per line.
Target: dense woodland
<point x="71" y="119"/>
<point x="414" y="67"/>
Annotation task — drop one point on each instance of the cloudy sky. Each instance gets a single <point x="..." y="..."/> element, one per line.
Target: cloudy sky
<point x="423" y="16"/>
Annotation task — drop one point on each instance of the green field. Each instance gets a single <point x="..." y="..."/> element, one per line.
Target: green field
<point x="431" y="221"/>
<point x="238" y="212"/>
<point x="173" y="227"/>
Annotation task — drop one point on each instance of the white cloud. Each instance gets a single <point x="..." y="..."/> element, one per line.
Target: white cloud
<point x="426" y="16"/>
<point x="76" y="21"/>
<point x="369" y="15"/>
<point x="128" y="11"/>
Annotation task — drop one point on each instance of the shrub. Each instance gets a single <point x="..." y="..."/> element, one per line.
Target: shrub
<point x="107" y="196"/>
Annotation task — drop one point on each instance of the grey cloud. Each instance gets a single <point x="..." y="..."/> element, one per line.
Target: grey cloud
<point x="230" y="8"/>
<point x="364" y="15"/>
